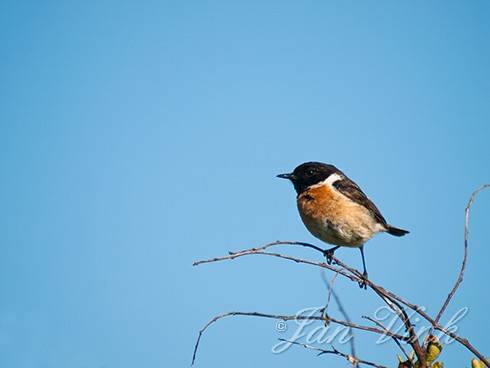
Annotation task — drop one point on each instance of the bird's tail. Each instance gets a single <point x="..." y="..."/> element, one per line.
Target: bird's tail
<point x="396" y="231"/>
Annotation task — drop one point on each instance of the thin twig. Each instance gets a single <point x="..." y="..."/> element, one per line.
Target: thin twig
<point x="290" y="318"/>
<point x="343" y="311"/>
<point x="379" y="324"/>
<point x="261" y="250"/>
<point x="330" y="291"/>
<point x="459" y="280"/>
<point x="351" y="358"/>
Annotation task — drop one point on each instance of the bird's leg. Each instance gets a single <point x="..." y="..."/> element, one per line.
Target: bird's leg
<point x="328" y="253"/>
<point x="362" y="284"/>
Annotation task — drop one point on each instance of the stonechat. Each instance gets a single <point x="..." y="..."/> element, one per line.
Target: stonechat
<point x="335" y="210"/>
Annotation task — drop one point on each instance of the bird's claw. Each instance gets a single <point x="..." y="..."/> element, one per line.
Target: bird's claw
<point x="328" y="253"/>
<point x="362" y="283"/>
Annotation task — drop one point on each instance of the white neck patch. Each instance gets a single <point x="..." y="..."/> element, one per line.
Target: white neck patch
<point x="328" y="181"/>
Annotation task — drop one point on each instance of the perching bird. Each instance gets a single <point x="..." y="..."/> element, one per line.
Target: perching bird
<point x="335" y="210"/>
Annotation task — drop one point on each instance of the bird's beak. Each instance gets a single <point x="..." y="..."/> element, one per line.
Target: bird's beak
<point x="286" y="176"/>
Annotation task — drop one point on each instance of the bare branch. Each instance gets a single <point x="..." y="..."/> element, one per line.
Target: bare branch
<point x="392" y="296"/>
<point x="459" y="280"/>
<point x="261" y="250"/>
<point x="346" y="271"/>
<point x="290" y="318"/>
<point x="353" y="275"/>
<point x="351" y="358"/>
<point x="379" y="324"/>
<point x="463" y="341"/>
<point x="403" y="316"/>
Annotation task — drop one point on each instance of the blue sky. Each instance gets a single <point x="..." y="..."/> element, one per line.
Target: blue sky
<point x="137" y="137"/>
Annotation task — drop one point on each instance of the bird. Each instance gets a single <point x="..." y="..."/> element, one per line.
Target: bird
<point x="335" y="210"/>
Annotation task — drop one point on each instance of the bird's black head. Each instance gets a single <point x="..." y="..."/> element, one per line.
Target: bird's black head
<point x="308" y="174"/>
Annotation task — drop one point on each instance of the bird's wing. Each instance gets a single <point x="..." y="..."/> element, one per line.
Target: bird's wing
<point x="352" y="191"/>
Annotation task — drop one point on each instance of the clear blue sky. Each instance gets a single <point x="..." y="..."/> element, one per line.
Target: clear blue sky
<point x="137" y="137"/>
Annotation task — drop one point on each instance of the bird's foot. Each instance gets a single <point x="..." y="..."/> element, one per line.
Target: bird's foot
<point x="328" y="253"/>
<point x="362" y="283"/>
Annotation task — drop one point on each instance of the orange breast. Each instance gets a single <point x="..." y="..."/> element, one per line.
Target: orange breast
<point x="319" y="205"/>
<point x="333" y="218"/>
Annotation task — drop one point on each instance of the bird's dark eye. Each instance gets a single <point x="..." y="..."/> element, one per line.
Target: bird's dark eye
<point x="311" y="172"/>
